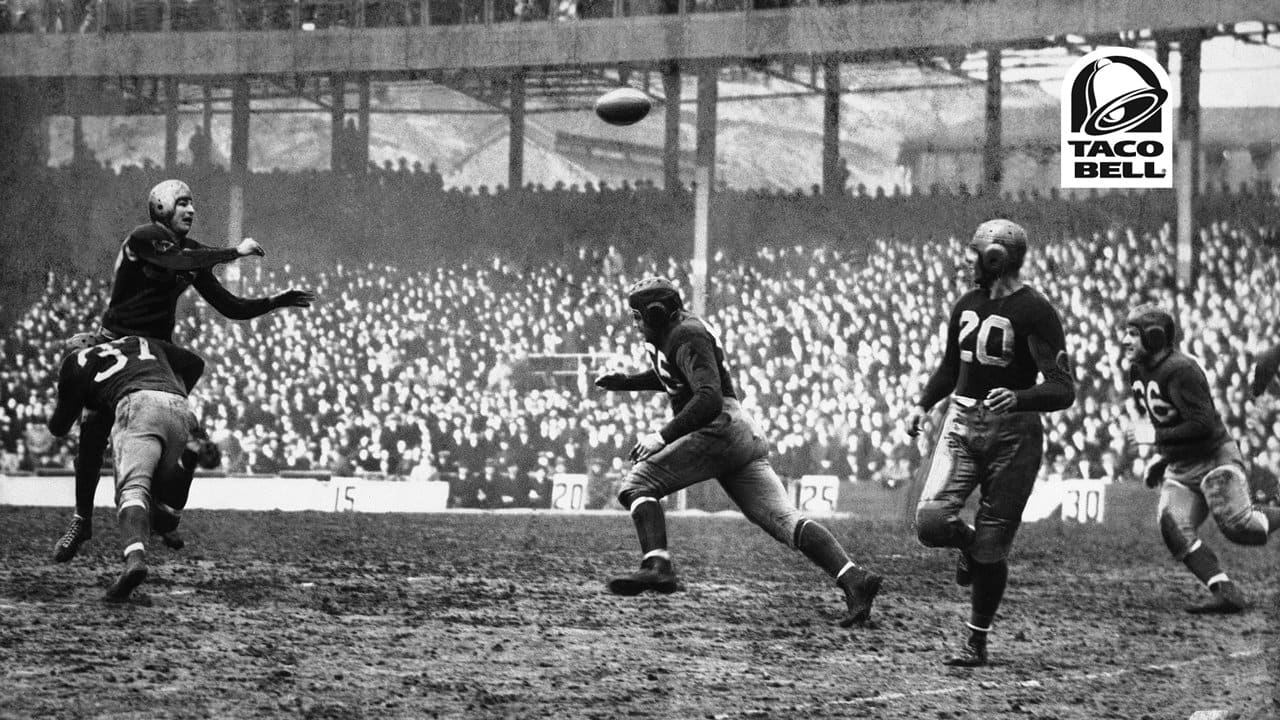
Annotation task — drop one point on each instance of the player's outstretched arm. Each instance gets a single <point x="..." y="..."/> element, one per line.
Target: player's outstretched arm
<point x="647" y="380"/>
<point x="153" y="245"/>
<point x="237" y="308"/>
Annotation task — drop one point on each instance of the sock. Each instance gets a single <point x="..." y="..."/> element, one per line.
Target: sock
<point x="1203" y="563"/>
<point x="135" y="525"/>
<point x="989" y="582"/>
<point x="86" y="489"/>
<point x="821" y="547"/>
<point x="651" y="525"/>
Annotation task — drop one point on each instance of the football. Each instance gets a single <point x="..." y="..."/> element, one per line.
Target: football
<point x="624" y="106"/>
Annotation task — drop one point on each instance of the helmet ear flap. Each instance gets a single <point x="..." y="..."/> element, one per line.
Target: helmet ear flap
<point x="1154" y="339"/>
<point x="656" y="315"/>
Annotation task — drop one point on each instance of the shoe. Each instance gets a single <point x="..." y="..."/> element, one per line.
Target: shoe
<point x="860" y="589"/>
<point x="80" y="530"/>
<point x="964" y="573"/>
<point x="1227" y="599"/>
<point x="135" y="571"/>
<point x="972" y="654"/>
<point x="655" y="574"/>
<point x="173" y="540"/>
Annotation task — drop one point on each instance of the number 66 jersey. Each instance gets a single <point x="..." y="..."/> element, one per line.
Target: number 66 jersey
<point x="1004" y="342"/>
<point x="1174" y="395"/>
<point x="98" y="377"/>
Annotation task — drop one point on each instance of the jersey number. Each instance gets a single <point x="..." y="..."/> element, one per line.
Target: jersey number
<point x="1150" y="399"/>
<point x="118" y="358"/>
<point x="969" y="321"/>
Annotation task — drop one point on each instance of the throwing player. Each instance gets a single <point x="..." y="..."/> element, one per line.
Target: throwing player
<point x="709" y="436"/>
<point x="158" y="261"/>
<point x="999" y="337"/>
<point x="1200" y="470"/>
<point x="136" y="381"/>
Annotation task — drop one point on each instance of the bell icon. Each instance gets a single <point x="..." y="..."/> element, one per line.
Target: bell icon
<point x="1118" y="99"/>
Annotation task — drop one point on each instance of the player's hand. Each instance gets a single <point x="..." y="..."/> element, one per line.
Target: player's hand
<point x="208" y="455"/>
<point x="1265" y="371"/>
<point x="915" y="420"/>
<point x="1154" y="474"/>
<point x="612" y="381"/>
<point x="294" y="298"/>
<point x="249" y="246"/>
<point x="1000" y="400"/>
<point x="648" y="446"/>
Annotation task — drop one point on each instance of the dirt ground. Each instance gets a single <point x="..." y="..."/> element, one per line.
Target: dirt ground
<point x="504" y="616"/>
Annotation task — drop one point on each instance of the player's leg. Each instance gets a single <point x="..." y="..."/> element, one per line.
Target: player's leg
<point x="950" y="476"/>
<point x="688" y="460"/>
<point x="1181" y="511"/>
<point x="759" y="493"/>
<point x="95" y="429"/>
<point x="1226" y="490"/>
<point x="137" y="452"/>
<point x="1015" y="454"/>
<point x="172" y="484"/>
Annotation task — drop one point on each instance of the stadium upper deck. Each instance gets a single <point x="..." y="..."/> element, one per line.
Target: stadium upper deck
<point x="394" y="38"/>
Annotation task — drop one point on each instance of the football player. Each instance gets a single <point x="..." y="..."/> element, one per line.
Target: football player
<point x="1200" y="470"/>
<point x="1000" y="336"/>
<point x="158" y="261"/>
<point x="709" y="436"/>
<point x="134" y="380"/>
<point x="1264" y="371"/>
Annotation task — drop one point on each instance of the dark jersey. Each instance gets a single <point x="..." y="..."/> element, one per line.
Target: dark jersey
<point x="152" y="271"/>
<point x="1004" y="342"/>
<point x="1174" y="395"/>
<point x="96" y="378"/>
<point x="690" y="367"/>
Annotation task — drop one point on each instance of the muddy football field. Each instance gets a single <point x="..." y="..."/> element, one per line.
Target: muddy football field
<point x="491" y="615"/>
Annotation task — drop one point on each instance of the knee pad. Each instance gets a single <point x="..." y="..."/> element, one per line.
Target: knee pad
<point x="1176" y="538"/>
<point x="1244" y="528"/>
<point x="1227" y="491"/>
<point x="937" y="525"/>
<point x="991" y="543"/>
<point x="134" y="496"/>
<point x="628" y="496"/>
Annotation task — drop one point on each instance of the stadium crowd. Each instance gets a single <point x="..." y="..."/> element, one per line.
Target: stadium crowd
<point x="470" y="358"/>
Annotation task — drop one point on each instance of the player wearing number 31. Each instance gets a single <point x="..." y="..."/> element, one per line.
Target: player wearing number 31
<point x="1000" y="337"/>
<point x="134" y="380"/>
<point x="1200" y="469"/>
<point x="710" y="436"/>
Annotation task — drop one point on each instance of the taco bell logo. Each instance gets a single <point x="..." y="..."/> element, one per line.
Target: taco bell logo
<point x="1116" y="128"/>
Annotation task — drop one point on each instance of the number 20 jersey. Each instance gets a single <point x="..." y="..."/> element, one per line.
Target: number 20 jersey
<point x="988" y="340"/>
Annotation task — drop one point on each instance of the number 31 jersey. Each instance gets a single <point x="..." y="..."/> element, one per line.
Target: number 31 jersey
<point x="989" y="340"/>
<point x="99" y="376"/>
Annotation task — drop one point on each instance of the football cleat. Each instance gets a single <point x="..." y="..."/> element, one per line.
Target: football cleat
<point x="860" y="588"/>
<point x="80" y="530"/>
<point x="1227" y="600"/>
<point x="964" y="573"/>
<point x="135" y="571"/>
<point x="972" y="654"/>
<point x="173" y="540"/>
<point x="655" y="574"/>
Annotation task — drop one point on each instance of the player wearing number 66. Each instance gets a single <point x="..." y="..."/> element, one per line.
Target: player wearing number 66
<point x="135" y="380"/>
<point x="710" y="436"/>
<point x="1200" y="470"/>
<point x="1001" y="335"/>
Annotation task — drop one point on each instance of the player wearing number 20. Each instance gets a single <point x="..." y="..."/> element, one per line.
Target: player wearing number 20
<point x="710" y="436"/>
<point x="136" y="381"/>
<point x="1001" y="336"/>
<point x="1200" y="467"/>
